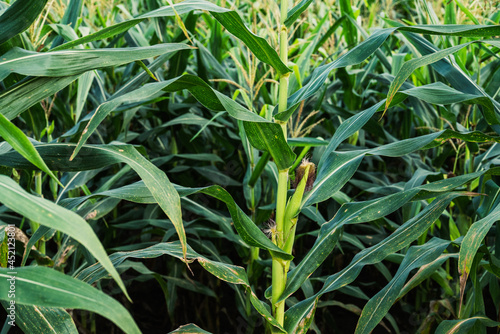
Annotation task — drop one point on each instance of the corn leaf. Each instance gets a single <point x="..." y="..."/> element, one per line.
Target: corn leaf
<point x="262" y="133"/>
<point x="190" y="328"/>
<point x="471" y="242"/>
<point x="40" y="319"/>
<point x="378" y="306"/>
<point x="93" y="156"/>
<point x="73" y="62"/>
<point x="18" y="17"/>
<point x="373" y="42"/>
<point x="18" y="140"/>
<point x="226" y="272"/>
<point x="294" y="13"/>
<point x="411" y="65"/>
<point x="43" y="286"/>
<point x="400" y="238"/>
<point x="463" y="325"/>
<point x="51" y="215"/>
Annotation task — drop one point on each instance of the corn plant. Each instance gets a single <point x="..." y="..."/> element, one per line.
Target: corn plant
<point x="97" y="115"/>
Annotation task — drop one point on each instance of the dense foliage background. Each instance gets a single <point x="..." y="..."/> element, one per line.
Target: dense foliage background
<point x="109" y="98"/>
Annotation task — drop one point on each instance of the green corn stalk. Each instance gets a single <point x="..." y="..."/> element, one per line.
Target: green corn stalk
<point x="279" y="266"/>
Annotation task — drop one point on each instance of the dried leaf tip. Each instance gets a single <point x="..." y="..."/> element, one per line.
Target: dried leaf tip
<point x="299" y="174"/>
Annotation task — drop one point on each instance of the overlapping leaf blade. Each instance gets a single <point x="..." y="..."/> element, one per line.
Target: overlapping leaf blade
<point x="47" y="287"/>
<point x="226" y="272"/>
<point x="51" y="215"/>
<point x="463" y="325"/>
<point x="73" y="62"/>
<point x="19" y="17"/>
<point x="40" y="319"/>
<point x="157" y="183"/>
<point x="262" y="133"/>
<point x="378" y="306"/>
<point x="373" y="42"/>
<point x="100" y="156"/>
<point x="400" y="238"/>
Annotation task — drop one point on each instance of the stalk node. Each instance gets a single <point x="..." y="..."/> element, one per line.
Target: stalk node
<point x="284" y="76"/>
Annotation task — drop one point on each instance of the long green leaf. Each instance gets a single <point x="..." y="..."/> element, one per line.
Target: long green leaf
<point x="226" y="272"/>
<point x="338" y="167"/>
<point x="18" y="140"/>
<point x="372" y="43"/>
<point x="92" y="157"/>
<point x="294" y="13"/>
<point x="463" y="325"/>
<point x="400" y="238"/>
<point x="19" y="17"/>
<point x="411" y="65"/>
<point x="72" y="62"/>
<point x="378" y="306"/>
<point x="32" y="90"/>
<point x="262" y="133"/>
<point x="51" y="215"/>
<point x="471" y="243"/>
<point x="43" y="286"/>
<point x="40" y="319"/>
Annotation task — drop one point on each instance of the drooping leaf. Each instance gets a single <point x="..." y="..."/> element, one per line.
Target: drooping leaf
<point x="40" y="319"/>
<point x="258" y="45"/>
<point x="463" y="325"/>
<point x="92" y="157"/>
<point x="378" y="306"/>
<point x="226" y="272"/>
<point x="231" y="20"/>
<point x="73" y="62"/>
<point x="43" y="286"/>
<point x="98" y="156"/>
<point x="51" y="215"/>
<point x="262" y="133"/>
<point x="18" y="140"/>
<point x="400" y="238"/>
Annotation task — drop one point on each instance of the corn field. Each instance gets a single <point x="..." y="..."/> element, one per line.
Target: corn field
<point x="239" y="166"/>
